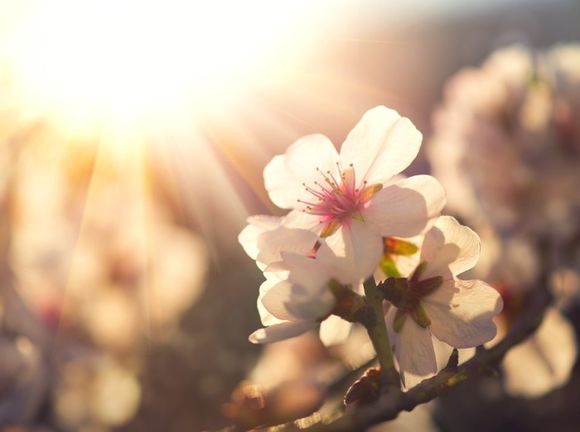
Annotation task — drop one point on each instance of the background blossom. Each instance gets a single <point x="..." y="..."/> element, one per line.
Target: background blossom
<point x="517" y="123"/>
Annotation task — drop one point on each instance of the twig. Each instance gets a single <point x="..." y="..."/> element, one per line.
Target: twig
<point x="394" y="402"/>
<point x="377" y="331"/>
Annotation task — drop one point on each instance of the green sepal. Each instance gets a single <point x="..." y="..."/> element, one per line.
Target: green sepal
<point x="347" y="303"/>
<point x="394" y="290"/>
<point x="418" y="271"/>
<point x="420" y="316"/>
<point x="388" y="266"/>
<point x="427" y="286"/>
<point x="400" y="317"/>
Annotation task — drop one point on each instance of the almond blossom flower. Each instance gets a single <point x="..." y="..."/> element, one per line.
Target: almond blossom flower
<point x="300" y="289"/>
<point x="265" y="239"/>
<point x="434" y="303"/>
<point x="349" y="198"/>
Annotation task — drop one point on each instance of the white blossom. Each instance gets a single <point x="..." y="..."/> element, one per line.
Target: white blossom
<point x="349" y="198"/>
<point x="435" y="303"/>
<point x="297" y="294"/>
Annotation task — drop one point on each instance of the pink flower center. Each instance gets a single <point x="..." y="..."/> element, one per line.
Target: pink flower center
<point x="336" y="200"/>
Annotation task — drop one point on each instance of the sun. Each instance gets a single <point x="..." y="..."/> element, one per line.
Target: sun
<point x="134" y="62"/>
<point x="186" y="94"/>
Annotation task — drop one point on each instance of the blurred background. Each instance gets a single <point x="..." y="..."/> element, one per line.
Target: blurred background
<point x="133" y="136"/>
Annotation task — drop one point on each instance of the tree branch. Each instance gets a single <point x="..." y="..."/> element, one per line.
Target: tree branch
<point x="394" y="402"/>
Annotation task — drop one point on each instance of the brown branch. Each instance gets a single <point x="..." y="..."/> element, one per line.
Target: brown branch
<point x="394" y="402"/>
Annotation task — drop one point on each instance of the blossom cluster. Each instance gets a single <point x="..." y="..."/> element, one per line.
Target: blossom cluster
<point x="355" y="220"/>
<point x="509" y="131"/>
<point x="506" y="146"/>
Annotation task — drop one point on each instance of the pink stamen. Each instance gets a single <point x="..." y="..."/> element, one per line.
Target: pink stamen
<point x="338" y="197"/>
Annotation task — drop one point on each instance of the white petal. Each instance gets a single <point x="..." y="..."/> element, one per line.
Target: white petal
<point x="543" y="362"/>
<point x="274" y="300"/>
<point x="282" y="239"/>
<point x="302" y="220"/>
<point x="358" y="251"/>
<point x="381" y="145"/>
<point x="334" y="330"/>
<point x="289" y="301"/>
<point x="413" y="348"/>
<point x="281" y="331"/>
<point x="265" y="315"/>
<point x="257" y="225"/>
<point x="309" y="272"/>
<point x="449" y="248"/>
<point x="285" y="174"/>
<point x="406" y="208"/>
<point x="462" y="312"/>
<point x="442" y="353"/>
<point x="406" y="264"/>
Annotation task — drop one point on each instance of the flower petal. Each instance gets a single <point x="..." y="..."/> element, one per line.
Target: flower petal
<point x="311" y="273"/>
<point x="285" y="175"/>
<point x="413" y="348"/>
<point x="462" y="312"/>
<point x="358" y="251"/>
<point x="334" y="330"/>
<point x="257" y="225"/>
<point x="281" y="331"/>
<point x="282" y="239"/>
<point x="289" y="301"/>
<point x="271" y="301"/>
<point x="449" y="248"/>
<point x="265" y="316"/>
<point x="302" y="220"/>
<point x="406" y="208"/>
<point x="381" y="145"/>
